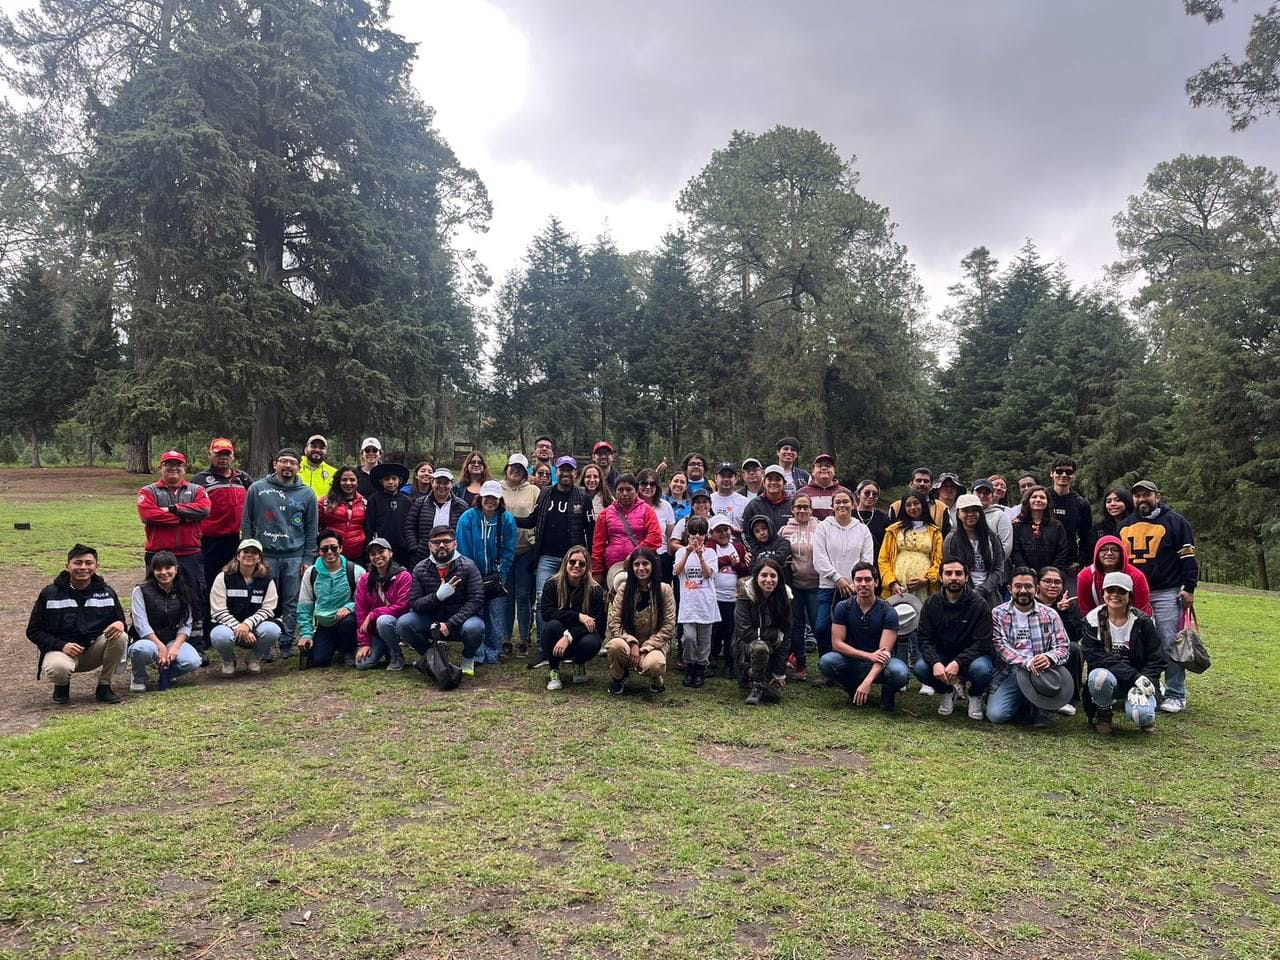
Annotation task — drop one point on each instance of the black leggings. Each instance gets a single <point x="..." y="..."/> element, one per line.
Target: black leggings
<point x="580" y="650"/>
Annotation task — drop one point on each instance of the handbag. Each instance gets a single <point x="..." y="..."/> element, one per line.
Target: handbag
<point x="1188" y="648"/>
<point x="494" y="587"/>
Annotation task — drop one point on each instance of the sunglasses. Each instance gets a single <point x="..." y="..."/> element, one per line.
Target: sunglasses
<point x="576" y="563"/>
<point x="1064" y="472"/>
<point x="330" y="549"/>
<point x="647" y="483"/>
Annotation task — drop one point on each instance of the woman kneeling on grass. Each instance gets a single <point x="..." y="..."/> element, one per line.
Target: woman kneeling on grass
<point x="1125" y="658"/>
<point x="762" y="632"/>
<point x="642" y="623"/>
<point x="243" y="601"/>
<point x="382" y="598"/>
<point x="572" y="616"/>
<point x="161" y="610"/>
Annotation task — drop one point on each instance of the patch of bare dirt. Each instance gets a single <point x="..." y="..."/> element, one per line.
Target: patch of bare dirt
<point x="304" y="838"/>
<point x="63" y="483"/>
<point x="753" y="936"/>
<point x="497" y="946"/>
<point x="763" y="760"/>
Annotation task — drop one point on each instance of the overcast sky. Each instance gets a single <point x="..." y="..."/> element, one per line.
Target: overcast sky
<point x="977" y="122"/>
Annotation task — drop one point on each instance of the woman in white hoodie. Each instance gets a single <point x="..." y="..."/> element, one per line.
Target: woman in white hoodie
<point x="840" y="541"/>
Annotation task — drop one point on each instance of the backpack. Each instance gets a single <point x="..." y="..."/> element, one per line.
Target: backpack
<point x="351" y="578"/>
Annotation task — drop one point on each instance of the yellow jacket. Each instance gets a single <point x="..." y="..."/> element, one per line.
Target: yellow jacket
<point x="889" y="558"/>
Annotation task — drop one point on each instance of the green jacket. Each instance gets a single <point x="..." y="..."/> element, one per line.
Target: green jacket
<point x="324" y="592"/>
<point x="319" y="479"/>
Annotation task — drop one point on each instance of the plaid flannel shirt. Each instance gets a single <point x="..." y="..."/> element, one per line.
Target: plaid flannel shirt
<point x="1046" y="635"/>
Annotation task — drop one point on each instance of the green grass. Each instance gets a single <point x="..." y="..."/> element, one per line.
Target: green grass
<point x="503" y="821"/>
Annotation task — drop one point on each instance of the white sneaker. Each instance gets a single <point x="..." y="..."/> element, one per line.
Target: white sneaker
<point x="1067" y="709"/>
<point x="554" y="683"/>
<point x="228" y="668"/>
<point x="137" y="686"/>
<point x="975" y="708"/>
<point x="1173" y="705"/>
<point x="255" y="665"/>
<point x="926" y="690"/>
<point x="946" y="704"/>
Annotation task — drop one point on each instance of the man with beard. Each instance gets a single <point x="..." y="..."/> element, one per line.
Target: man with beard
<point x="281" y="512"/>
<point x="314" y="472"/>
<point x="1026" y="635"/>
<point x="445" y="600"/>
<point x="1163" y="546"/>
<point x="955" y="641"/>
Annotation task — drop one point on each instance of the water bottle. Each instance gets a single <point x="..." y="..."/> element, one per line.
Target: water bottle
<point x="166" y="678"/>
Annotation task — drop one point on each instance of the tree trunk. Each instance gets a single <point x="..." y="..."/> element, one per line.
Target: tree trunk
<point x="1260" y="558"/>
<point x="828" y="402"/>
<point x="35" y="450"/>
<point x="437" y="428"/>
<point x="137" y="453"/>
<point x="90" y="451"/>
<point x="264" y="441"/>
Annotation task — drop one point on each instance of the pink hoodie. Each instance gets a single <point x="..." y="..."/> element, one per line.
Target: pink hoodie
<point x="1089" y="582"/>
<point x="371" y="600"/>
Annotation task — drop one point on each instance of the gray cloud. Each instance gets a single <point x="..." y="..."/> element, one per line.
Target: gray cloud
<point x="978" y="122"/>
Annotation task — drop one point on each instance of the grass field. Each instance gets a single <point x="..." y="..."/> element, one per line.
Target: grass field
<point x="329" y="814"/>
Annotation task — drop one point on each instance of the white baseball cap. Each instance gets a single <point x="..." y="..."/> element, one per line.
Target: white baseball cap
<point x="1118" y="578"/>
<point x="371" y="442"/>
<point x="491" y="488"/>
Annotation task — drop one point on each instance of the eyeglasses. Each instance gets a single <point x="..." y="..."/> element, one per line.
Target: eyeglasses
<point x="330" y="549"/>
<point x="575" y="563"/>
<point x="696" y="463"/>
<point x="441" y="543"/>
<point x="286" y="462"/>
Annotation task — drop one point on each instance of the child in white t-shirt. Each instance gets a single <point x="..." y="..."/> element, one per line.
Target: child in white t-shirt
<point x="731" y="563"/>
<point x="695" y="570"/>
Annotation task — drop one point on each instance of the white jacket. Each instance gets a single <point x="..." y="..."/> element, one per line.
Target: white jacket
<point x="836" y="549"/>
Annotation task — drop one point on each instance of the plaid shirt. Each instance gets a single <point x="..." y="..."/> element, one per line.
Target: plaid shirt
<point x="1046" y="635"/>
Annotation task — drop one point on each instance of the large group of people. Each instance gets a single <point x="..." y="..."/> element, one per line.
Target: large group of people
<point x="1022" y="612"/>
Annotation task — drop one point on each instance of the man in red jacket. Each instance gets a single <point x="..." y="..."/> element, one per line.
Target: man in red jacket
<point x="173" y="512"/>
<point x="220" y="533"/>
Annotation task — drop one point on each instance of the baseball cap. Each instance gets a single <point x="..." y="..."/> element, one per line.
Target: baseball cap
<point x="602" y="445"/>
<point x="518" y="460"/>
<point x="1118" y="578"/>
<point x="703" y="492"/>
<point x="442" y="472"/>
<point x="319" y="436"/>
<point x="173" y="455"/>
<point x="377" y="542"/>
<point x="775" y="470"/>
<point x="567" y="462"/>
<point x="983" y="483"/>
<point x="218" y="444"/>
<point x="750" y="462"/>
<point x="726" y="467"/>
<point x="824" y="456"/>
<point x="249" y="543"/>
<point x="719" y="520"/>
<point x="1145" y="485"/>
<point x="368" y="442"/>
<point x="968" y="500"/>
<point x="491" y="488"/>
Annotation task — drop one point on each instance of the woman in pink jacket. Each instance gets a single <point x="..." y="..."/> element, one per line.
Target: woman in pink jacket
<point x="625" y="524"/>
<point x="382" y="596"/>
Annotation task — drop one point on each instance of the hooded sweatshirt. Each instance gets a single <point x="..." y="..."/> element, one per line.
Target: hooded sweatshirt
<point x="381" y="598"/>
<point x="775" y="545"/>
<point x="284" y="516"/>
<point x="804" y="576"/>
<point x="836" y="549"/>
<point x="779" y="511"/>
<point x="1089" y="582"/>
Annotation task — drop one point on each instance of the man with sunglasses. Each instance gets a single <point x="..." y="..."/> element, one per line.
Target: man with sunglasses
<point x="327" y="604"/>
<point x="1073" y="512"/>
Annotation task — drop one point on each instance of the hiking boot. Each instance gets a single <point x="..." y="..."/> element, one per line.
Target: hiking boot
<point x="756" y="695"/>
<point x="104" y="694"/>
<point x="657" y="685"/>
<point x="1102" y="722"/>
<point x="617" y="685"/>
<point x="395" y="665"/>
<point x="700" y="675"/>
<point x="946" y="704"/>
<point x="772" y="693"/>
<point x="580" y="673"/>
<point x="888" y="699"/>
<point x="553" y="681"/>
<point x="975" y="708"/>
<point x="690" y="676"/>
<point x="62" y="693"/>
<point x="1149" y="729"/>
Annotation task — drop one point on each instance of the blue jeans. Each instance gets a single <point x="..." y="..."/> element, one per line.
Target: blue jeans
<point x="849" y="672"/>
<point x="822" y="630"/>
<point x="386" y="643"/>
<point x="520" y="590"/>
<point x="547" y="568"/>
<point x="804" y="612"/>
<point x="1167" y="607"/>
<point x="1004" y="702"/>
<point x="1102" y="690"/>
<point x="223" y="640"/>
<point x="143" y="653"/>
<point x="495" y="613"/>
<point x="978" y="673"/>
<point x="415" y="630"/>
<point x="335" y="641"/>
<point x="288" y="576"/>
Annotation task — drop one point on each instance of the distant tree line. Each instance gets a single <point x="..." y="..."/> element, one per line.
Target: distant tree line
<point x="239" y="218"/>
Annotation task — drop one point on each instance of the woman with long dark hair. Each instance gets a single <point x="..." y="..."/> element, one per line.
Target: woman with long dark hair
<point x="910" y="558"/>
<point x="344" y="509"/>
<point x="1039" y="538"/>
<point x="650" y="490"/>
<point x="981" y="550"/>
<point x="762" y="632"/>
<point x="642" y="624"/>
<point x="161" y="609"/>
<point x="1117" y="505"/>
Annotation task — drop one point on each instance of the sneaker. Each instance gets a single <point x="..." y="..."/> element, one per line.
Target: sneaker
<point x="756" y="695"/>
<point x="1102" y="723"/>
<point x="580" y="673"/>
<point x="137" y="686"/>
<point x="396" y="665"/>
<point x="946" y="704"/>
<point x="616" y="686"/>
<point x="554" y="682"/>
<point x="927" y="691"/>
<point x="468" y="666"/>
<point x="975" y="708"/>
<point x="228" y="667"/>
<point x="657" y="685"/>
<point x="538" y="663"/>
<point x="1067" y="709"/>
<point x="104" y="694"/>
<point x="1173" y="705"/>
<point x="62" y="693"/>
<point x="801" y="675"/>
<point x="255" y="665"/>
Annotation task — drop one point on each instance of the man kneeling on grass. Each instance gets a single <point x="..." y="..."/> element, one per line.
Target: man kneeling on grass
<point x="78" y="625"/>
<point x="955" y="641"/>
<point x="864" y="630"/>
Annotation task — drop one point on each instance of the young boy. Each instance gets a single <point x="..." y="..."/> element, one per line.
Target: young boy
<point x="730" y="563"/>
<point x="388" y="508"/>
